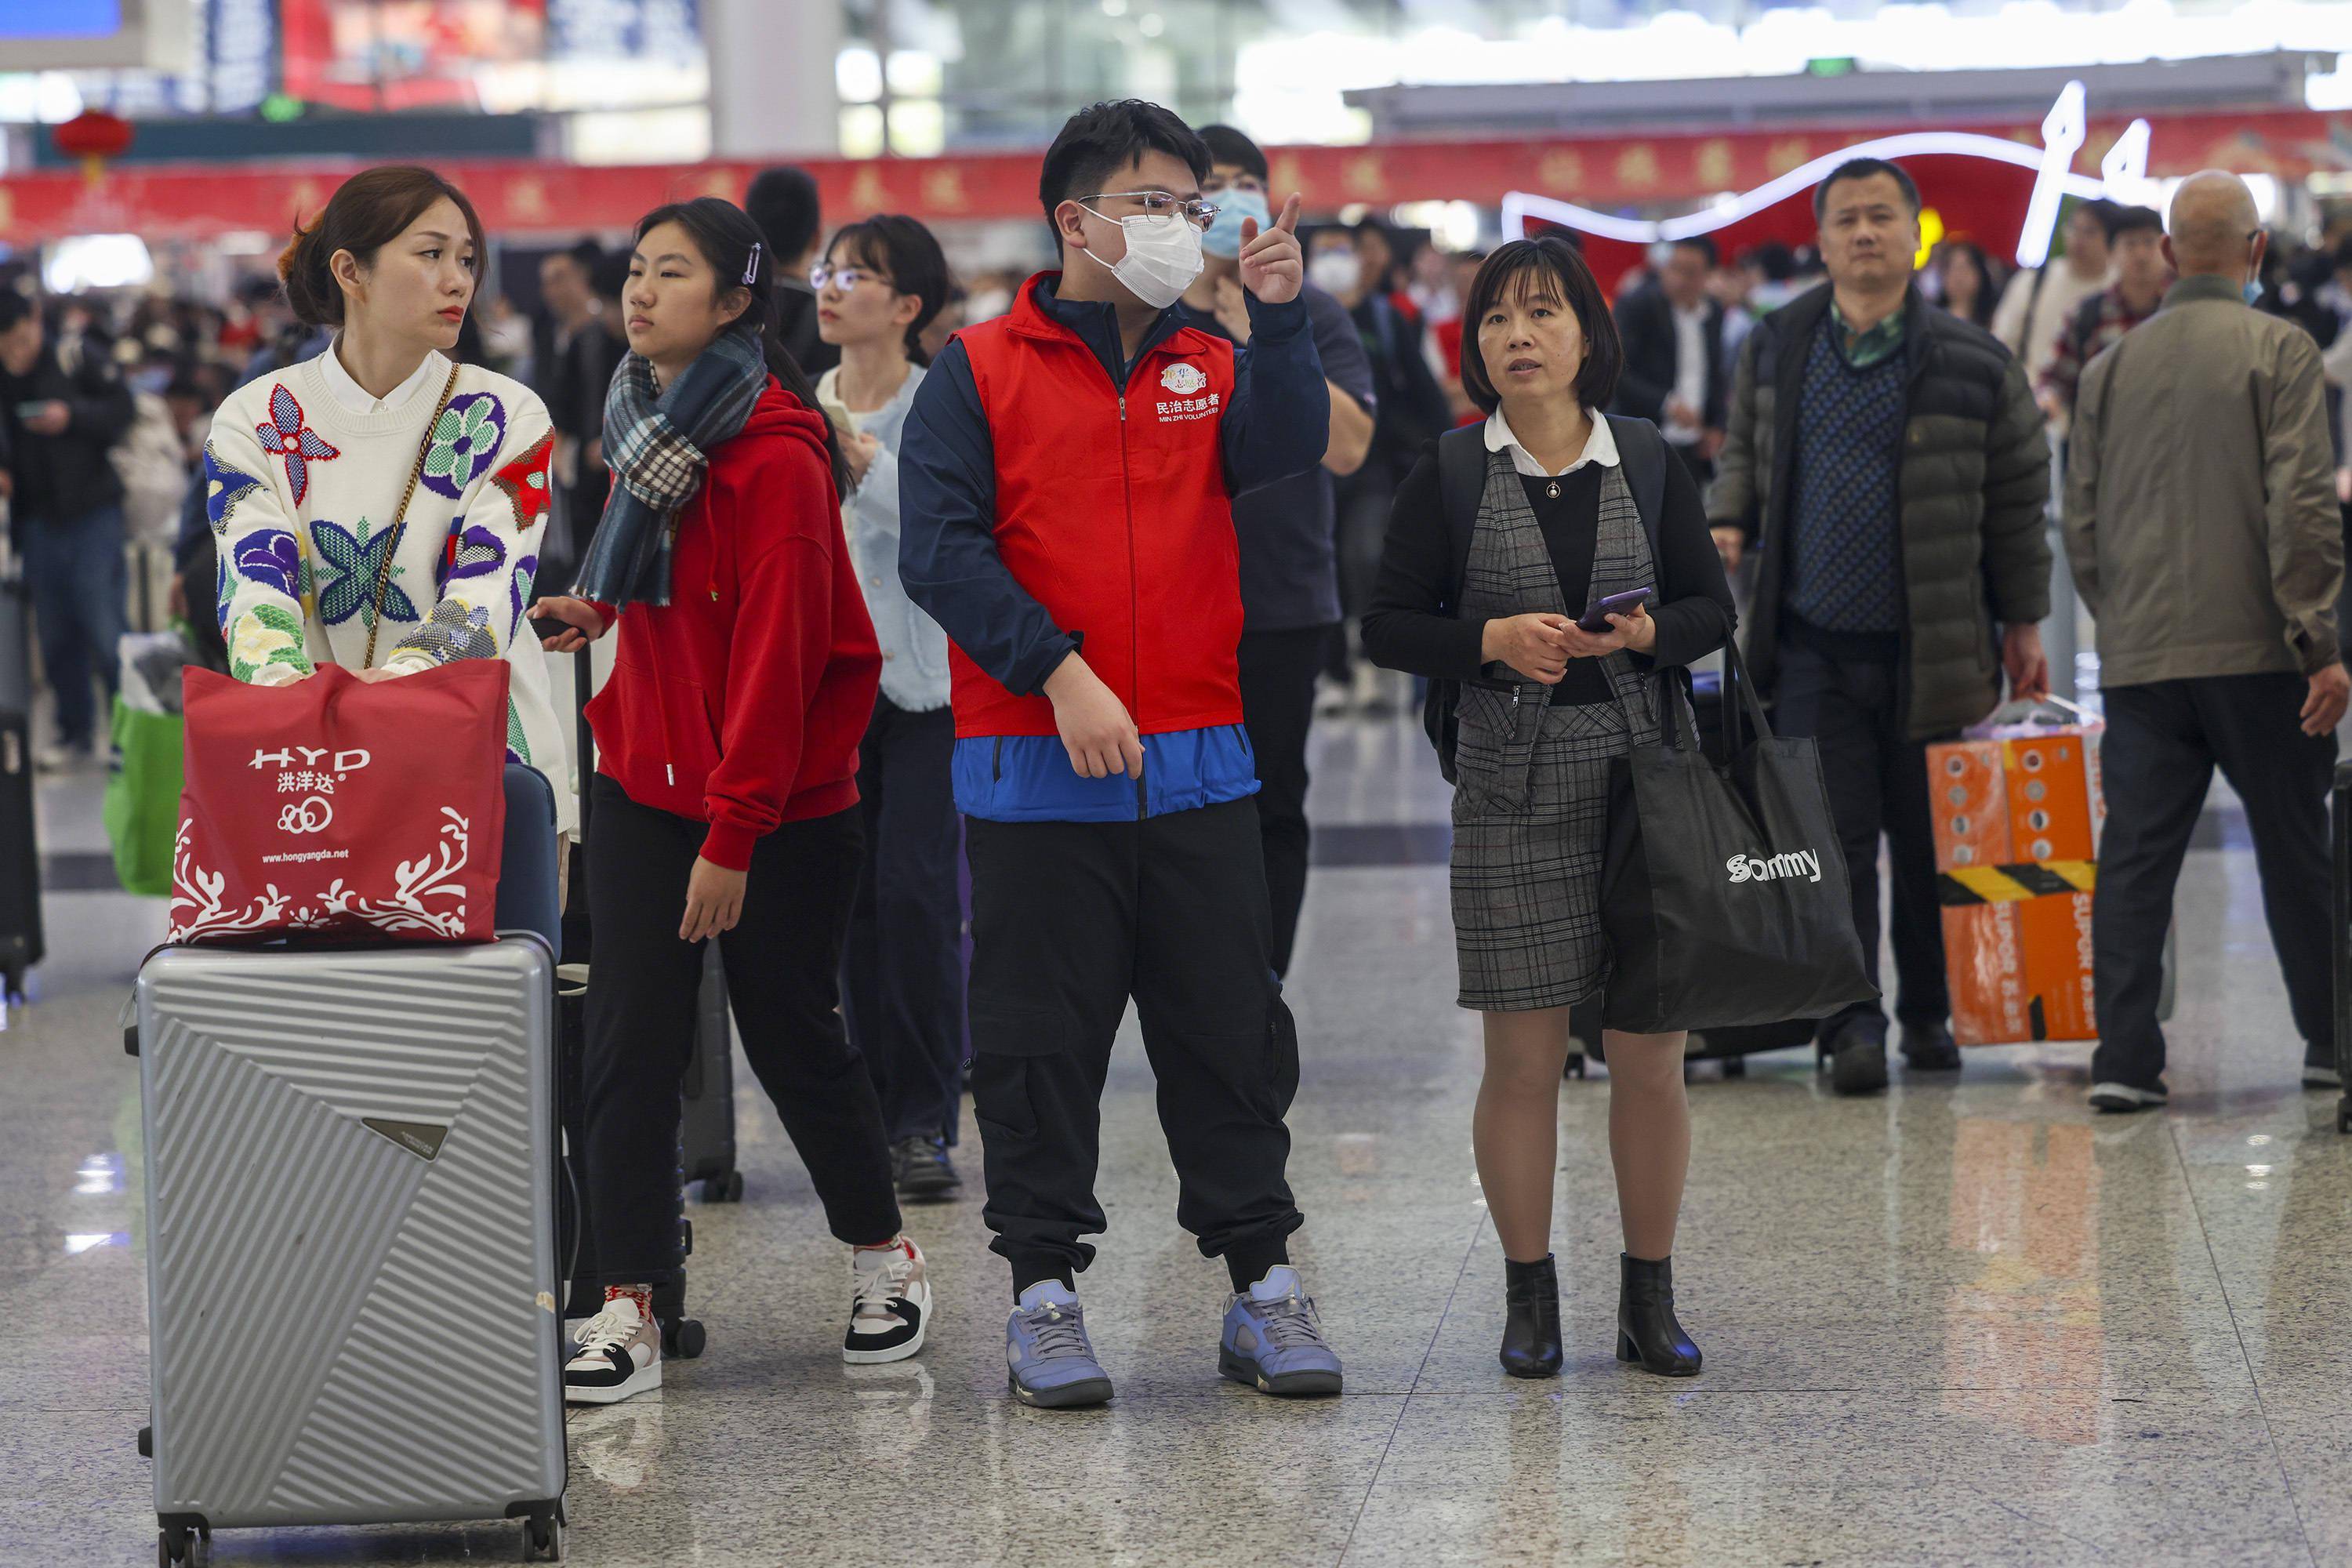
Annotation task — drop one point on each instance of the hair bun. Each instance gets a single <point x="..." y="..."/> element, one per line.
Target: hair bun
<point x="290" y="258"/>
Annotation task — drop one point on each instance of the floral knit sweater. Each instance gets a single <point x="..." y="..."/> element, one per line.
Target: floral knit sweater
<point x="301" y="488"/>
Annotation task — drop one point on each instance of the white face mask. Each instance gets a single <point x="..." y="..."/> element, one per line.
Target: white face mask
<point x="1335" y="271"/>
<point x="1163" y="257"/>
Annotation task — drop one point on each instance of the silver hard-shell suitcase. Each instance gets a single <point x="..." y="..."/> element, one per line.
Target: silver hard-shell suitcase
<point x="351" y="1158"/>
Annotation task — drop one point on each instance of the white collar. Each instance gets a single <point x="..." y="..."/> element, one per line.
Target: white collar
<point x="1601" y="446"/>
<point x="354" y="398"/>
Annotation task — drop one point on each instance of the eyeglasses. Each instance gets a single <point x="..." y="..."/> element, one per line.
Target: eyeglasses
<point x="1157" y="204"/>
<point x="847" y="277"/>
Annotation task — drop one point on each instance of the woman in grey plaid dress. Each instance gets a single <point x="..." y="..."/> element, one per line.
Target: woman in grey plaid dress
<point x="1490" y="596"/>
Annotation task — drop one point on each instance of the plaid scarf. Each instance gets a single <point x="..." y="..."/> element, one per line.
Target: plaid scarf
<point x="658" y="445"/>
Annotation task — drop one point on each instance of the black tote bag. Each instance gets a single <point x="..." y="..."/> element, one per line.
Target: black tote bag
<point x="1724" y="893"/>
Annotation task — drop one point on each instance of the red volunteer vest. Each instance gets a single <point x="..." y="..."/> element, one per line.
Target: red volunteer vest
<point x="1111" y="511"/>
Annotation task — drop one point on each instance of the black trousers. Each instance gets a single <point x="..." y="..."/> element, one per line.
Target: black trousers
<point x="784" y="961"/>
<point x="1877" y="779"/>
<point x="902" y="971"/>
<point x="2156" y="761"/>
<point x="1278" y="671"/>
<point x="1069" y="920"/>
<point x="1359" y="524"/>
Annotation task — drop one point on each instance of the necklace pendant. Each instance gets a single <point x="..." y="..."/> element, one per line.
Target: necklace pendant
<point x="1552" y="489"/>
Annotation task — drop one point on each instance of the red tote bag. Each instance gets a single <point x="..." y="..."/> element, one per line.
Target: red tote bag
<point x="342" y="808"/>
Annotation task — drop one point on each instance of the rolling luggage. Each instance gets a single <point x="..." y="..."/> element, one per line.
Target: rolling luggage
<point x="20" y="860"/>
<point x="707" y="1130"/>
<point x="343" y="1147"/>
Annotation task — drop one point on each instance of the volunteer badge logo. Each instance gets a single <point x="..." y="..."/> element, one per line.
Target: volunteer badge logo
<point x="1183" y="379"/>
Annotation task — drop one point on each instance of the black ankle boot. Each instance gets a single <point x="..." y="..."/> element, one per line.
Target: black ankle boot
<point x="1646" y="1329"/>
<point x="1532" y="1318"/>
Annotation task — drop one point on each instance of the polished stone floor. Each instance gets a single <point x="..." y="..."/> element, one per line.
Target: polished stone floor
<point x="1965" y="1322"/>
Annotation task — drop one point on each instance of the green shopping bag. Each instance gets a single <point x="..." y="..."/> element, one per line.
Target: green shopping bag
<point x="142" y="798"/>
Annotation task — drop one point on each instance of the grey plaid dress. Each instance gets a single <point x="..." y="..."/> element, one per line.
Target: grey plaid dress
<point x="1531" y="781"/>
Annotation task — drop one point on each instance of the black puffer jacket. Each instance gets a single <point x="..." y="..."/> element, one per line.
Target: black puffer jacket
<point x="61" y="477"/>
<point x="1974" y="484"/>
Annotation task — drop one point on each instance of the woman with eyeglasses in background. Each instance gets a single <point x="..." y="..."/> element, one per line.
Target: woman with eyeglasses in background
<point x="879" y="285"/>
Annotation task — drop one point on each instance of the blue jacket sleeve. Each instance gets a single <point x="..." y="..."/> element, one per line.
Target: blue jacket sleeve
<point x="1280" y="418"/>
<point x="947" y="559"/>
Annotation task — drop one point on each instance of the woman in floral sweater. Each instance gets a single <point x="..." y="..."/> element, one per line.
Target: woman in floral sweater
<point x="306" y="470"/>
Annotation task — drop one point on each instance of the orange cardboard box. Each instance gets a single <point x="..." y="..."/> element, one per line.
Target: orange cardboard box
<point x="2017" y="819"/>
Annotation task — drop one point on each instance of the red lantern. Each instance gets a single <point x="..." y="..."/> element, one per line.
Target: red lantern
<point x="93" y="136"/>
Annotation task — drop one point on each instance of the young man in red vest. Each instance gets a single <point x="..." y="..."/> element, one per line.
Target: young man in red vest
<point x="1065" y="486"/>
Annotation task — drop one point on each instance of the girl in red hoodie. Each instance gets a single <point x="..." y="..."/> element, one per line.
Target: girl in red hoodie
<point x="724" y="802"/>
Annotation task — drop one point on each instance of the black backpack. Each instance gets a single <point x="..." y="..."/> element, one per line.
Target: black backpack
<point x="1462" y="482"/>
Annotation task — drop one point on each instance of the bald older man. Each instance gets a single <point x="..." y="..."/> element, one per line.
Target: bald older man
<point x="2202" y="527"/>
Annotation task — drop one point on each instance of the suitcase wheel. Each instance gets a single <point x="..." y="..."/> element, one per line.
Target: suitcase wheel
<point x="683" y="1338"/>
<point x="726" y="1189"/>
<point x="542" y="1538"/>
<point x="2344" y="1115"/>
<point x="177" y="1546"/>
<point x="1575" y="1064"/>
<point x="147" y="1442"/>
<point x="1735" y="1066"/>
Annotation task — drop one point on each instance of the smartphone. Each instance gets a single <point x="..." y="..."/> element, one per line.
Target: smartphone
<point x="1596" y="620"/>
<point x="32" y="410"/>
<point x="548" y="627"/>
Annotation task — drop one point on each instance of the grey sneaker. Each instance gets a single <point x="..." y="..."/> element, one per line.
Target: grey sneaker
<point x="1049" y="1362"/>
<point x="2319" y="1071"/>
<point x="1273" y="1342"/>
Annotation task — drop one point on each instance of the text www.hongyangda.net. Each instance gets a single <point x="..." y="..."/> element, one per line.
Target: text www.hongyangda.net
<point x="307" y="855"/>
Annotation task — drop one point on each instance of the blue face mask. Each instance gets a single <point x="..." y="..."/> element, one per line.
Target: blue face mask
<point x="1223" y="236"/>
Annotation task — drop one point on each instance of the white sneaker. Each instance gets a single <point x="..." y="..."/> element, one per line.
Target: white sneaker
<point x="618" y="1356"/>
<point x="889" y="1305"/>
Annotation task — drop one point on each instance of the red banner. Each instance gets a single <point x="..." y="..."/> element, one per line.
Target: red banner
<point x="521" y="197"/>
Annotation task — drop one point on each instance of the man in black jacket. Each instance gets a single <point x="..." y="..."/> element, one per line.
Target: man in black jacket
<point x="783" y="202"/>
<point x="1287" y="529"/>
<point x="1674" y="375"/>
<point x="1887" y="461"/>
<point x="65" y="507"/>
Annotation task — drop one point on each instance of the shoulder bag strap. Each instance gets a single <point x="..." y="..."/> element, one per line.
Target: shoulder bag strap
<point x="400" y="517"/>
<point x="1642" y="448"/>
<point x="1739" y="697"/>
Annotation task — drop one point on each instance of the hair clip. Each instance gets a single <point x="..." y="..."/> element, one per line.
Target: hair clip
<point x="751" y="266"/>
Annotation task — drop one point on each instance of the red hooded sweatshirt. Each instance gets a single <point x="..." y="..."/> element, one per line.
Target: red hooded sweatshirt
<point x="741" y="701"/>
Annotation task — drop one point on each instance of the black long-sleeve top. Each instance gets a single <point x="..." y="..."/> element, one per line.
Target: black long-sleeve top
<point x="1410" y="625"/>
